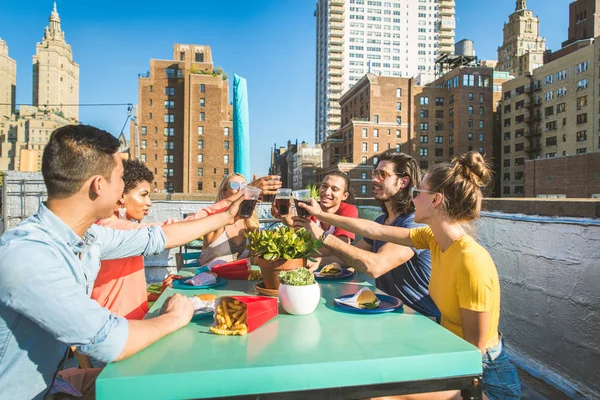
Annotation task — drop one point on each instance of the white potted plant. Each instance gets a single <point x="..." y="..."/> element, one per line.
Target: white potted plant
<point x="299" y="292"/>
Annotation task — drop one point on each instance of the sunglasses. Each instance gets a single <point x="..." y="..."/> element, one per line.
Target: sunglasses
<point x="237" y="185"/>
<point x="382" y="174"/>
<point x="414" y="192"/>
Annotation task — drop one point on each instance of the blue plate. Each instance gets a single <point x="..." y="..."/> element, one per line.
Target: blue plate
<point x="387" y="304"/>
<point x="179" y="284"/>
<point x="202" y="315"/>
<point x="346" y="273"/>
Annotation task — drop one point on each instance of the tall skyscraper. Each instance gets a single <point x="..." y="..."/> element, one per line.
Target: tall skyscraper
<point x="8" y="82"/>
<point x="523" y="48"/>
<point x="185" y="126"/>
<point x="396" y="38"/>
<point x="55" y="74"/>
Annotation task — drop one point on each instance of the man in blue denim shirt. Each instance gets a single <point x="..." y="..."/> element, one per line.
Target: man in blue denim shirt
<point x="49" y="262"/>
<point x="399" y="271"/>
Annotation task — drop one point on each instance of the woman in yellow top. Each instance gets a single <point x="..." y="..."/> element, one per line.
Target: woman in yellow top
<point x="464" y="281"/>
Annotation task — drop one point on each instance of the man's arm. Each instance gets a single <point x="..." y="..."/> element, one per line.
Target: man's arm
<point x="362" y="227"/>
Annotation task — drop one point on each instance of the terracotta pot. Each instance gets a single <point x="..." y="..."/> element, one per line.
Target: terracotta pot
<point x="271" y="269"/>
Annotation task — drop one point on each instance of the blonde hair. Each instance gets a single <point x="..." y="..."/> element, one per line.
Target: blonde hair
<point x="252" y="222"/>
<point x="461" y="184"/>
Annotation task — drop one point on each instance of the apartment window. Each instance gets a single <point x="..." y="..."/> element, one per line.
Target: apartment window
<point x="424" y="100"/>
<point x="226" y="159"/>
<point x="582" y="84"/>
<point x="506" y="190"/>
<point x="376" y="118"/>
<point x="202" y="117"/>
<point x="200" y="130"/>
<point x="439" y="113"/>
<point x="364" y="159"/>
<point x="200" y="144"/>
<point x="470" y="137"/>
<point x="506" y="109"/>
<point x="551" y="155"/>
<point x="481" y="137"/>
<point x="149" y="115"/>
<point x="549" y="111"/>
<point x="581" y="102"/>
<point x="423" y="165"/>
<point x="202" y="88"/>
<point x="398" y="106"/>
<point x="451" y="112"/>
<point x="519" y="133"/>
<point x="398" y="147"/>
<point x="470" y="96"/>
<point x="451" y="152"/>
<point x="451" y="99"/>
<point x="439" y="126"/>
<point x="375" y="132"/>
<point x="169" y="118"/>
<point x="423" y="152"/>
<point x="202" y="102"/>
<point x="518" y="175"/>
<point x="143" y="146"/>
<point x="581" y="136"/>
<point x="506" y="149"/>
<point x="519" y="161"/>
<point x="507" y="176"/>
<point x="506" y="135"/>
<point x="225" y="171"/>
<point x="375" y="147"/>
<point x="581" y="151"/>
<point x="169" y="145"/>
<point x="562" y="107"/>
<point x="168" y="159"/>
<point x="424" y="126"/>
<point x="549" y="95"/>
<point x="424" y="139"/>
<point x="363" y="175"/>
<point x="551" y="141"/>
<point x="481" y="124"/>
<point x="226" y="131"/>
<point x="200" y="158"/>
<point x="451" y="138"/>
<point x="363" y="189"/>
<point x="439" y="152"/>
<point x="471" y="125"/>
<point x="170" y="72"/>
<point x="143" y="158"/>
<point x="481" y="110"/>
<point x="365" y="132"/>
<point x="561" y="75"/>
<point x="549" y="79"/>
<point x="519" y="146"/>
<point x="226" y="145"/>
<point x="365" y="147"/>
<point x="143" y="131"/>
<point x="169" y="91"/>
<point x="468" y="80"/>
<point x="424" y="113"/>
<point x="200" y="186"/>
<point x="581" y="118"/>
<point x="507" y="163"/>
<point x="582" y="67"/>
<point x="398" y="92"/>
<point x="168" y="172"/>
<point x="439" y="101"/>
<point x="169" y="104"/>
<point x="470" y="110"/>
<point x="551" y="126"/>
<point x="375" y="160"/>
<point x="398" y="134"/>
<point x="169" y="131"/>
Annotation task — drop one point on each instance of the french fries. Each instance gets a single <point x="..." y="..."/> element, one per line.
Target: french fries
<point x="254" y="275"/>
<point x="230" y="318"/>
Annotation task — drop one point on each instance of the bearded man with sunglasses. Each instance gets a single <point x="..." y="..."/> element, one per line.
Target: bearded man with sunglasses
<point x="399" y="271"/>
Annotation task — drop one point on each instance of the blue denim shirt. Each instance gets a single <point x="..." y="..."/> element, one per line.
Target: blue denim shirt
<point x="47" y="273"/>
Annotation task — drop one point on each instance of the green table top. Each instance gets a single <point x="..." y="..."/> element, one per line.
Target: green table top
<point x="325" y="349"/>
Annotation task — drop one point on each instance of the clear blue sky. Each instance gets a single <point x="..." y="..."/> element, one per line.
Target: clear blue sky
<point x="270" y="43"/>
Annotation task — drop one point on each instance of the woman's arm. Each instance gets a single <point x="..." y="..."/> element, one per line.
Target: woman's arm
<point x="362" y="227"/>
<point x="475" y="327"/>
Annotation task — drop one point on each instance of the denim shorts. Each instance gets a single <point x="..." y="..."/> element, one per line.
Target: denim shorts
<point x="500" y="378"/>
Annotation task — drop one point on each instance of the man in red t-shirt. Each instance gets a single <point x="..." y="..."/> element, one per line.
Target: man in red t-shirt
<point x="334" y="197"/>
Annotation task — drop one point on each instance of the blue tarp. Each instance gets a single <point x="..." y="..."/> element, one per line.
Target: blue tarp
<point x="241" y="128"/>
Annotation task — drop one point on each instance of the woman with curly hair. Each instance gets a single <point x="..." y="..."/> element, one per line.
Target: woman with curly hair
<point x="464" y="281"/>
<point x="121" y="284"/>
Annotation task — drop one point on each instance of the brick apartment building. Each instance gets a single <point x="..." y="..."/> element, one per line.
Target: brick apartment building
<point x="185" y="122"/>
<point x="549" y="114"/>
<point x="454" y="114"/>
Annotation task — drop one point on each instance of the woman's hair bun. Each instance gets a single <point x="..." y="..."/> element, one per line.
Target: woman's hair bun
<point x="473" y="167"/>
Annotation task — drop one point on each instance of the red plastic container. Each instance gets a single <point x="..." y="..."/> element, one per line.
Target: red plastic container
<point x="233" y="270"/>
<point x="259" y="309"/>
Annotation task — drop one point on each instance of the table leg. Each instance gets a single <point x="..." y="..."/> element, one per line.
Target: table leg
<point x="474" y="391"/>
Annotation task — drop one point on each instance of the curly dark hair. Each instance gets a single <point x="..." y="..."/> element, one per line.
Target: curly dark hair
<point x="407" y="166"/>
<point x="135" y="172"/>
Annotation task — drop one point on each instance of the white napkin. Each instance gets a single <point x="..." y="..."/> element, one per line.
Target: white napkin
<point x="352" y="301"/>
<point x="201" y="279"/>
<point x="202" y="306"/>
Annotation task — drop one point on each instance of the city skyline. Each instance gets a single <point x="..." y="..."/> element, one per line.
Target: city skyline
<point x="275" y="54"/>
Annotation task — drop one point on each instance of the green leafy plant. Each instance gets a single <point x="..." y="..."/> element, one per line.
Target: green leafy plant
<point x="297" y="277"/>
<point x="314" y="191"/>
<point x="283" y="243"/>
